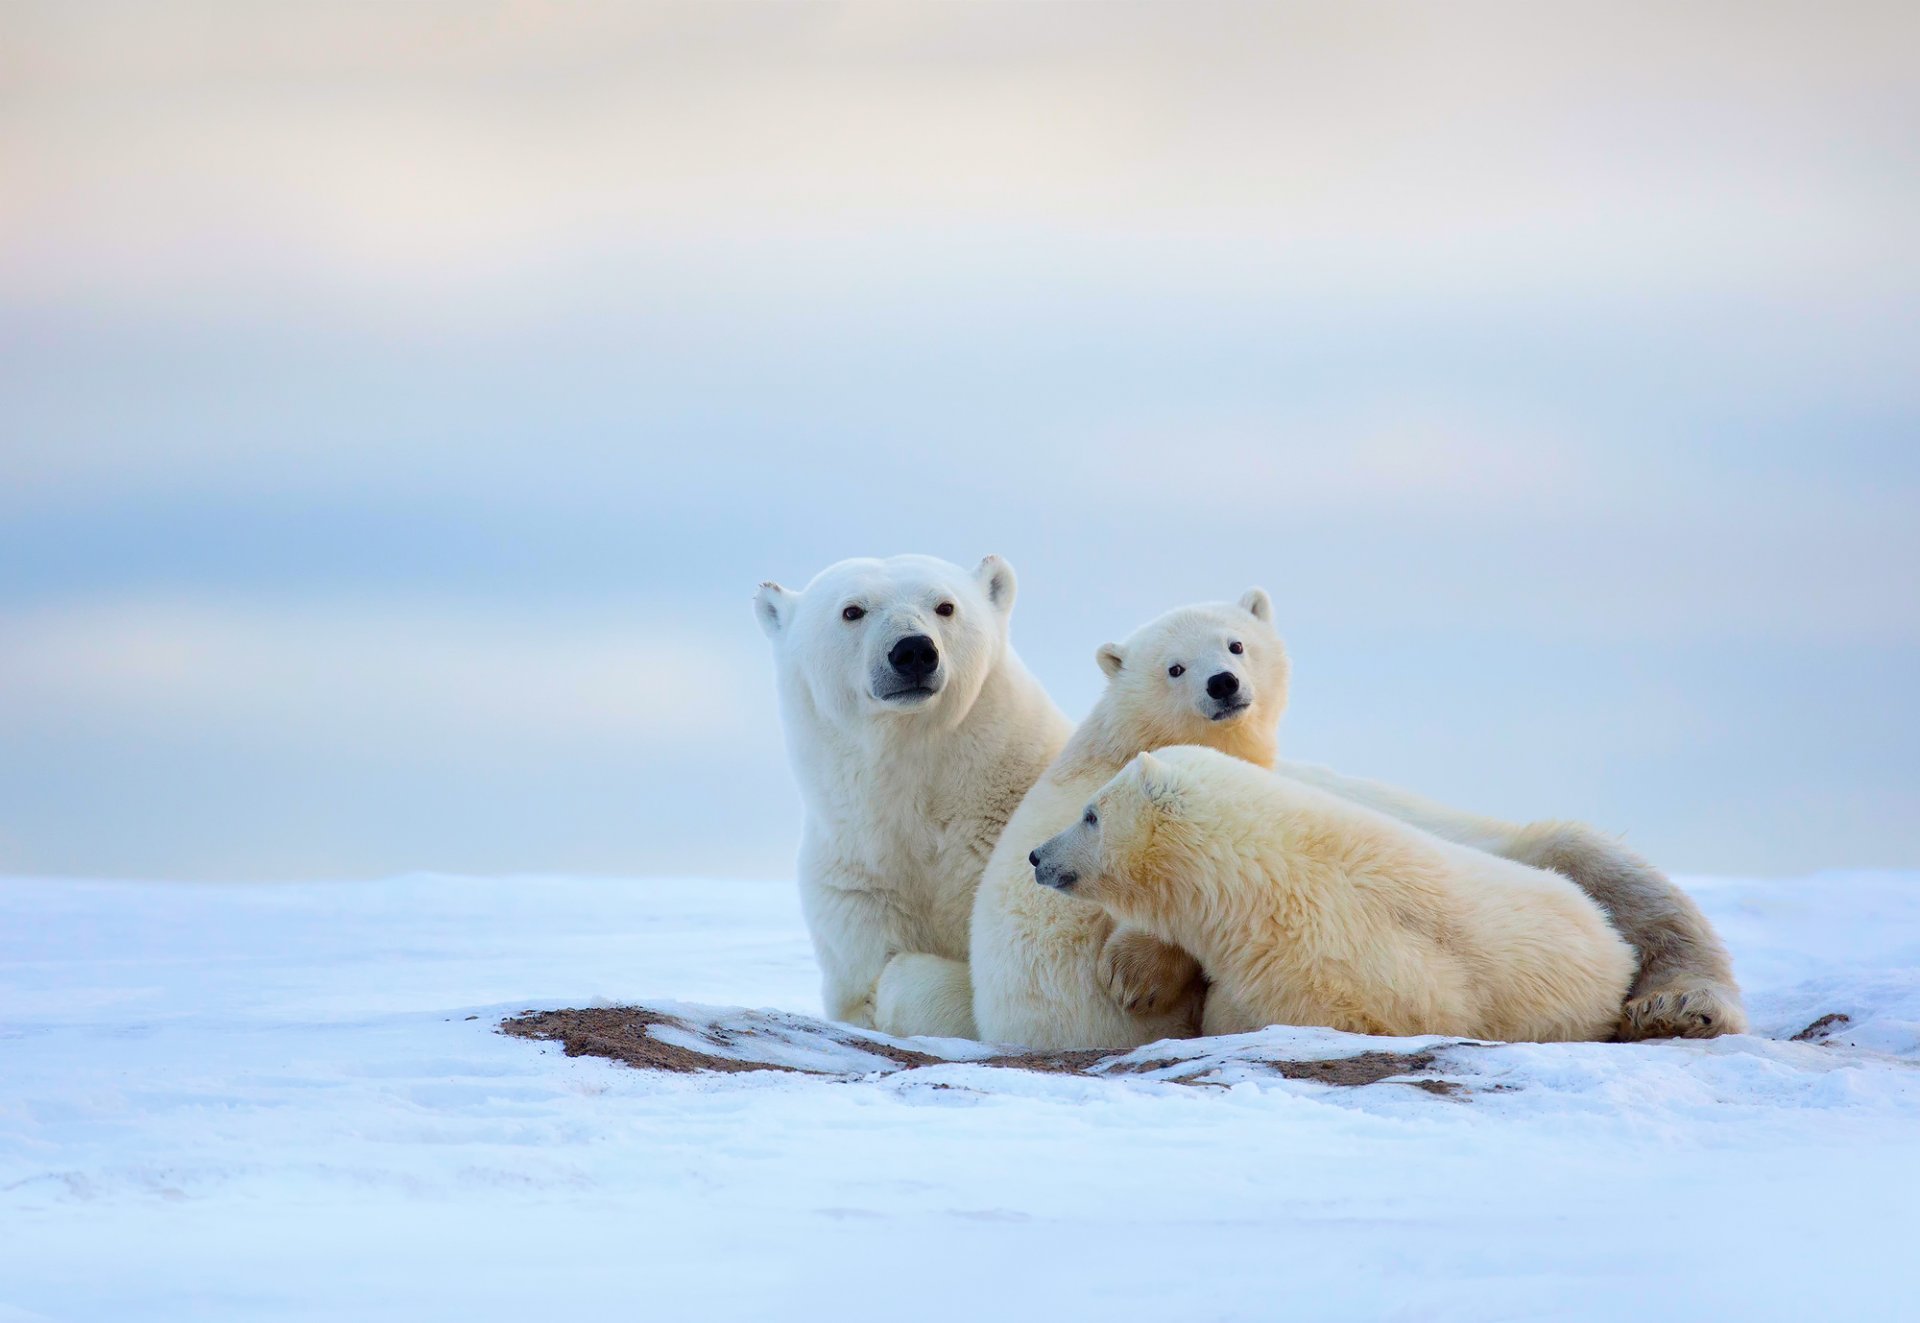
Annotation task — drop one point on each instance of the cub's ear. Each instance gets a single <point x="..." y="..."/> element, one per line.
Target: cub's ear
<point x="1111" y="659"/>
<point x="1257" y="601"/>
<point x="773" y="607"/>
<point x="1159" y="782"/>
<point x="996" y="580"/>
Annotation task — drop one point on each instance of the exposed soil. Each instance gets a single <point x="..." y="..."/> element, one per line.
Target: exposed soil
<point x="1823" y="1028"/>
<point x="622" y="1033"/>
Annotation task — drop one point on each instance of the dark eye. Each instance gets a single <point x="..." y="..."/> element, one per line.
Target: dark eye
<point x="944" y="609"/>
<point x="852" y="612"/>
<point x="1176" y="670"/>
<point x="1092" y="819"/>
<point x="1236" y="647"/>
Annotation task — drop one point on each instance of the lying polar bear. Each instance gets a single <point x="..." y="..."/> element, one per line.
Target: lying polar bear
<point x="1217" y="675"/>
<point x="1305" y="908"/>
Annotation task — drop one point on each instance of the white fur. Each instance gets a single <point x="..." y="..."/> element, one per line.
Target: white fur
<point x="1036" y="955"/>
<point x="1056" y="976"/>
<point x="1685" y="986"/>
<point x="1306" y="908"/>
<point x="903" y="807"/>
<point x="903" y="800"/>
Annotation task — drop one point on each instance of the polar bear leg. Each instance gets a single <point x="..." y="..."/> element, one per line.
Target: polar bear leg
<point x="922" y="995"/>
<point x="853" y="930"/>
<point x="1685" y="987"/>
<point x="1038" y="985"/>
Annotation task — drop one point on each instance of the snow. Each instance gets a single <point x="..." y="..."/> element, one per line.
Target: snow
<point x="290" y="1101"/>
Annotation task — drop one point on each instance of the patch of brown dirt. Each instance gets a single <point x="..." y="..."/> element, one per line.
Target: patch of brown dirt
<point x="1822" y="1027"/>
<point x="621" y="1033"/>
<point x="1051" y="1063"/>
<point x="1345" y="1072"/>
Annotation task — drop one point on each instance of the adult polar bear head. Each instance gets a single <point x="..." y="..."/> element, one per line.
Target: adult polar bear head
<point x="908" y="637"/>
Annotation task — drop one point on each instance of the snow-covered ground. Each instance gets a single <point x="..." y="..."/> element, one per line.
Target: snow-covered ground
<point x="281" y="1101"/>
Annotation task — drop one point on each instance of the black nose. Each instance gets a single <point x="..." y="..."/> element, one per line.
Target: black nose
<point x="915" y="657"/>
<point x="1223" y="685"/>
<point x="1034" y="859"/>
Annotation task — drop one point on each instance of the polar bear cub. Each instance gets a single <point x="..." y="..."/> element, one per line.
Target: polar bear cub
<point x="1305" y="908"/>
<point x="1685" y="987"/>
<point x="1053" y="974"/>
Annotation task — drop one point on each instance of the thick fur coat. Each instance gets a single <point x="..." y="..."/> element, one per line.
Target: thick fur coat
<point x="922" y="910"/>
<point x="913" y="730"/>
<point x="1052" y="973"/>
<point x="1306" y="908"/>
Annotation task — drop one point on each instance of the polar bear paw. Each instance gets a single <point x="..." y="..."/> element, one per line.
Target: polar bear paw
<point x="920" y="994"/>
<point x="1703" y="1011"/>
<point x="1146" y="976"/>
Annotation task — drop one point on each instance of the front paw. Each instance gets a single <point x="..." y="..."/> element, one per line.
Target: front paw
<point x="1146" y="975"/>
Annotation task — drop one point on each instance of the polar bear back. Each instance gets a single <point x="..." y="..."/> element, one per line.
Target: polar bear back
<point x="1307" y="908"/>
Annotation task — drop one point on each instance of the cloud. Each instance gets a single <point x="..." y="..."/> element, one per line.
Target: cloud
<point x="410" y="684"/>
<point x="1497" y="150"/>
<point x="364" y="363"/>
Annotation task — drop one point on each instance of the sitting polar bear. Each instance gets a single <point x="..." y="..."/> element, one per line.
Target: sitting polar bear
<point x="1053" y="974"/>
<point x="913" y="730"/>
<point x="1308" y="909"/>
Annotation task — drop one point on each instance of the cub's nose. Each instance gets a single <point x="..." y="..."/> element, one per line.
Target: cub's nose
<point x="1223" y="685"/>
<point x="914" y="657"/>
<point x="1034" y="859"/>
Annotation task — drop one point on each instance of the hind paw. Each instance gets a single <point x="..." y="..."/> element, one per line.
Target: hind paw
<point x="1698" y="1012"/>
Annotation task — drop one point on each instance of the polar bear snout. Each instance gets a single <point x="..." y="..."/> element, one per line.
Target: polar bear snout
<point x="1227" y="695"/>
<point x="1051" y="872"/>
<point x="914" y="657"/>
<point x="911" y="672"/>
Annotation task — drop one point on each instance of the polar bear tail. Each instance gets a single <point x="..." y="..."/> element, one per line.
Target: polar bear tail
<point x="1685" y="987"/>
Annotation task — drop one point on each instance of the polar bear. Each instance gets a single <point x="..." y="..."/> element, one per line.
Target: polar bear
<point x="1053" y="975"/>
<point x="913" y="730"/>
<point x="1685" y="986"/>
<point x="1305" y="908"/>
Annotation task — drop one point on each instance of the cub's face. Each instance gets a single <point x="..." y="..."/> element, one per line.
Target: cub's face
<point x="1193" y="674"/>
<point x="889" y="639"/>
<point x="1109" y="855"/>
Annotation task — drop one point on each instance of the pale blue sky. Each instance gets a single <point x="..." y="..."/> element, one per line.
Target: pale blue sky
<point x="401" y="402"/>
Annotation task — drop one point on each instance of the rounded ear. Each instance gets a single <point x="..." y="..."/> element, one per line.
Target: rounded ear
<point x="996" y="580"/>
<point x="1111" y="659"/>
<point x="1257" y="601"/>
<point x="1158" y="781"/>
<point x="773" y="607"/>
